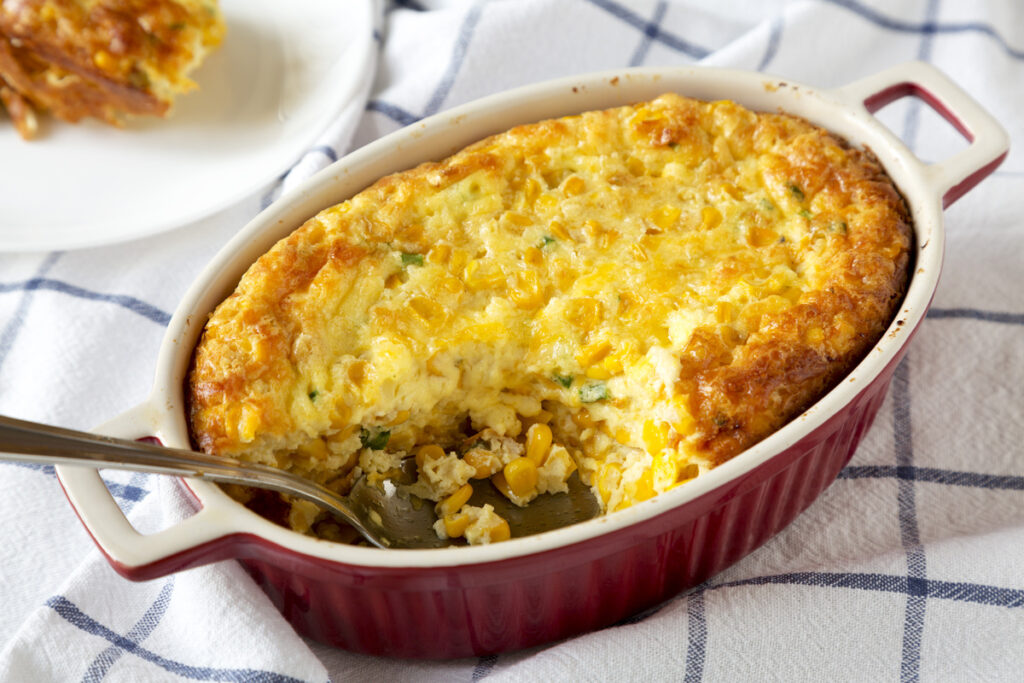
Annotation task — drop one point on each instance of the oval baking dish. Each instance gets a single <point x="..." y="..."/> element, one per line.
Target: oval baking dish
<point x="455" y="602"/>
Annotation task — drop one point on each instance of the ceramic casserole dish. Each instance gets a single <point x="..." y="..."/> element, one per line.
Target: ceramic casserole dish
<point x="454" y="602"/>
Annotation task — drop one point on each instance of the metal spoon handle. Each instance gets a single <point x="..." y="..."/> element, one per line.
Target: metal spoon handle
<point x="33" y="442"/>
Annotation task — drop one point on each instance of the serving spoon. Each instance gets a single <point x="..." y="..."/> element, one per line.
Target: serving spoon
<point x="384" y="513"/>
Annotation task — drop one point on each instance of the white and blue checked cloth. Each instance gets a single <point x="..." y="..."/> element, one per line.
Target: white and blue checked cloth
<point x="909" y="566"/>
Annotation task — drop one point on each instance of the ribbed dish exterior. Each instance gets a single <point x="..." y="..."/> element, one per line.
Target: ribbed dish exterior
<point x="473" y="610"/>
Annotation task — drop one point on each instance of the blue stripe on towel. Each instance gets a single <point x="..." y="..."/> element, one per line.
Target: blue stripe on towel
<point x="146" y="310"/>
<point x="74" y="616"/>
<point x="649" y="32"/>
<point x="975" y="593"/>
<point x="913" y="628"/>
<point x="393" y="112"/>
<point x="13" y="327"/>
<point x="697" y="636"/>
<point x="774" y="40"/>
<point x="455" y="64"/>
<point x="928" y="27"/>
<point x="975" y="314"/>
<point x="484" y="667"/>
<point x="139" y="632"/>
<point x="933" y="475"/>
<point x="664" y="37"/>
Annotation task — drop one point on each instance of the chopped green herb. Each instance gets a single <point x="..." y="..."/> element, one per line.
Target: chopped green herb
<point x="805" y="213"/>
<point x="594" y="391"/>
<point x="767" y="205"/>
<point x="177" y="26"/>
<point x="546" y="241"/>
<point x="797" y="192"/>
<point x="564" y="380"/>
<point x="374" y="437"/>
<point x="313" y="394"/>
<point x="838" y="226"/>
<point x="412" y="259"/>
<point x="721" y="420"/>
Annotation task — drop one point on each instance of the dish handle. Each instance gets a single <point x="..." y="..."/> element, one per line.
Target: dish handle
<point x="200" y="539"/>
<point x="989" y="142"/>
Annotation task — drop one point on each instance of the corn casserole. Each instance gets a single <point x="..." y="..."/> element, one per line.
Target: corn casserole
<point x="636" y="294"/>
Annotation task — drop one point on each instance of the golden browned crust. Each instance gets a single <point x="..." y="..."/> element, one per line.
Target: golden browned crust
<point x="663" y="284"/>
<point x="104" y="58"/>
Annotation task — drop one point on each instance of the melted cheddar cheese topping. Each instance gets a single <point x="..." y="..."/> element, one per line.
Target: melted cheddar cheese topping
<point x="651" y="289"/>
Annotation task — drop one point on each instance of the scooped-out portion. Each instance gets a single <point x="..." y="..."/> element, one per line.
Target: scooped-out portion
<point x="636" y="294"/>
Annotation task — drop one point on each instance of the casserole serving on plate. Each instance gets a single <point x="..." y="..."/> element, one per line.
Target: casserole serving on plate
<point x="474" y="600"/>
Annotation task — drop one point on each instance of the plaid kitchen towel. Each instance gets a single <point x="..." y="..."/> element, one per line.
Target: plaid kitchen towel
<point x="907" y="567"/>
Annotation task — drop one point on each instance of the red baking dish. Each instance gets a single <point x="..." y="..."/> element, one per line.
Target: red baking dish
<point x="455" y="602"/>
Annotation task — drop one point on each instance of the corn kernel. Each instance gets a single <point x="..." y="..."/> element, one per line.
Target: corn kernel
<point x="593" y="353"/>
<point x="608" y="481"/>
<point x="481" y="275"/>
<point x="427" y="310"/>
<point x="248" y="424"/>
<point x="522" y="476"/>
<point x="573" y="186"/>
<point x="731" y="190"/>
<point x="710" y="218"/>
<point x="400" y="417"/>
<point x="357" y="372"/>
<point x="665" y="217"/>
<point x="502" y="485"/>
<point x="456" y="525"/>
<point x="583" y="419"/>
<point x="499" y="532"/>
<point x="343" y="434"/>
<point x="683" y="423"/>
<point x="639" y="253"/>
<point x="642" y="488"/>
<point x="533" y="255"/>
<point x="454" y="502"/>
<point x="723" y="311"/>
<point x="814" y="335"/>
<point x="598" y="372"/>
<point x="761" y="237"/>
<point x="664" y="469"/>
<point x="623" y="436"/>
<point x="655" y="436"/>
<point x="458" y="260"/>
<point x="518" y="219"/>
<point x="439" y="253"/>
<point x="428" y="452"/>
<point x="528" y="293"/>
<point x="585" y="312"/>
<point x="340" y="414"/>
<point x="688" y="472"/>
<point x="547" y="201"/>
<point x="484" y="462"/>
<point x="558" y="230"/>
<point x="316" y="449"/>
<point x="538" y="443"/>
<point x="104" y="60"/>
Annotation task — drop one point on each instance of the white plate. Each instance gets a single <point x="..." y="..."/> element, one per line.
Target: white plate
<point x="282" y="75"/>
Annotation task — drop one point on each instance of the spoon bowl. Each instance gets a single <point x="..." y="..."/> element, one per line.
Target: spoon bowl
<point x="386" y="515"/>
